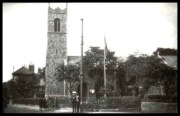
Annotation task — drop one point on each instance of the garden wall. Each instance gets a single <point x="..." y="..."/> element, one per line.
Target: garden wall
<point x="26" y="101"/>
<point x="60" y="101"/>
<point x="160" y="107"/>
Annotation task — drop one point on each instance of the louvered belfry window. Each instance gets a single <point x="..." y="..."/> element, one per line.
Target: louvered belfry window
<point x="57" y="25"/>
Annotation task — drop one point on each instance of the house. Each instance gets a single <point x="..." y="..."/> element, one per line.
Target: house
<point x="169" y="58"/>
<point x="25" y="75"/>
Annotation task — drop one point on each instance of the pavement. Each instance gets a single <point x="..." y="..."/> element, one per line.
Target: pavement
<point x="19" y="108"/>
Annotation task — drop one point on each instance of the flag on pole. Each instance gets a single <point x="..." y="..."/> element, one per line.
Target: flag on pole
<point x="105" y="48"/>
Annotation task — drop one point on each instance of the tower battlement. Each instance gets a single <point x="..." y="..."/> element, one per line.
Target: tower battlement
<point x="57" y="10"/>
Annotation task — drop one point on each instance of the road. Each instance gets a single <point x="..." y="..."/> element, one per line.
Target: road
<point x="32" y="109"/>
<point x="35" y="109"/>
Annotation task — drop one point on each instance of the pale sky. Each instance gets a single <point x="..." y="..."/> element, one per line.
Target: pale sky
<point x="128" y="27"/>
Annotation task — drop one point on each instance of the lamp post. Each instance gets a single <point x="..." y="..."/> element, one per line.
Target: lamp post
<point x="81" y="73"/>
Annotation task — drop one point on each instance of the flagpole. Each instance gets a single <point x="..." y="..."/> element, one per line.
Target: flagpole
<point x="104" y="68"/>
<point x="81" y="72"/>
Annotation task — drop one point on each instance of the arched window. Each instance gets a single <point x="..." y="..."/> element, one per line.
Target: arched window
<point x="56" y="25"/>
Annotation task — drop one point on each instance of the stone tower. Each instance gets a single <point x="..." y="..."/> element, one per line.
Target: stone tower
<point x="56" y="49"/>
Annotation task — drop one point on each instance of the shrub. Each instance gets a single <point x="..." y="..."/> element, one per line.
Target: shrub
<point x="43" y="103"/>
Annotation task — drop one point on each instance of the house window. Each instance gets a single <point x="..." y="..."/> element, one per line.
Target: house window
<point x="57" y="25"/>
<point x="15" y="77"/>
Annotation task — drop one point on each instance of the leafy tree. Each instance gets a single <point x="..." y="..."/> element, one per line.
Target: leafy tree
<point x="11" y="88"/>
<point x="137" y="71"/>
<point x="94" y="67"/>
<point x="145" y="71"/>
<point x="70" y="73"/>
<point x="24" y="86"/>
<point x="120" y="77"/>
<point x="6" y="90"/>
<point x="84" y="91"/>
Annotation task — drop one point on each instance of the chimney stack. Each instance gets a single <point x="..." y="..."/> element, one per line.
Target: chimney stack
<point x="39" y="70"/>
<point x="31" y="68"/>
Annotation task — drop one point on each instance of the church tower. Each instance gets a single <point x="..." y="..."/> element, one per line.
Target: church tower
<point x="56" y="49"/>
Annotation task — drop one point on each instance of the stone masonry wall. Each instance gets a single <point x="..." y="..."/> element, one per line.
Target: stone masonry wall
<point x="56" y="51"/>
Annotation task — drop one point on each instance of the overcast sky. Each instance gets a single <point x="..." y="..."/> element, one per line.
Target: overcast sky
<point x="128" y="27"/>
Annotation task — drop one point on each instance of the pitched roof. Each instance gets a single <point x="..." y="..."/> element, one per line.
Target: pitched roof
<point x="166" y="51"/>
<point x="73" y="59"/>
<point x="22" y="70"/>
<point x="170" y="61"/>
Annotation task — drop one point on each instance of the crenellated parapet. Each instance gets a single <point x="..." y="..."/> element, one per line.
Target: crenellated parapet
<point x="57" y="10"/>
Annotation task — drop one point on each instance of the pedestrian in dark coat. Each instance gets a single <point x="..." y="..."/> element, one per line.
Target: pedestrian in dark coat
<point x="73" y="99"/>
<point x="77" y="103"/>
<point x="74" y="103"/>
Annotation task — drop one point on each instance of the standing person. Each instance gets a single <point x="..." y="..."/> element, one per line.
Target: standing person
<point x="74" y="102"/>
<point x="77" y="102"/>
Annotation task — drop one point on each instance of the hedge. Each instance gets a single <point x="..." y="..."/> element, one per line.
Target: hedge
<point x="114" y="102"/>
<point x="130" y="102"/>
<point x="61" y="101"/>
<point x="124" y="102"/>
<point x="160" y="98"/>
<point x="159" y="107"/>
<point x="27" y="101"/>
